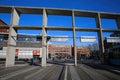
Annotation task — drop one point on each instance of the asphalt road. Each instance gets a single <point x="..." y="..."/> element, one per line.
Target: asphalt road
<point x="61" y="71"/>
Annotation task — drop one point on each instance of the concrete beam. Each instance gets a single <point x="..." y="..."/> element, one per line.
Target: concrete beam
<point x="111" y="30"/>
<point x="59" y="12"/>
<point x="5" y="9"/>
<point x="109" y="15"/>
<point x="44" y="40"/>
<point x="10" y="56"/>
<point x="27" y="27"/>
<point x="85" y="13"/>
<point x="74" y="38"/>
<point x="87" y="29"/>
<point x="118" y="22"/>
<point x="59" y="28"/>
<point x="4" y="27"/>
<point x="29" y="10"/>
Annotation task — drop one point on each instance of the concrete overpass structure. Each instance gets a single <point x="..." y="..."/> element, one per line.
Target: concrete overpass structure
<point x="14" y="26"/>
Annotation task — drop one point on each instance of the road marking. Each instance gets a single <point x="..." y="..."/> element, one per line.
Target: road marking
<point x="66" y="68"/>
<point x="74" y="74"/>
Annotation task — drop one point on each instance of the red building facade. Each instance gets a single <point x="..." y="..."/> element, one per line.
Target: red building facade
<point x="3" y="30"/>
<point x="67" y="49"/>
<point x="60" y="49"/>
<point x="82" y="50"/>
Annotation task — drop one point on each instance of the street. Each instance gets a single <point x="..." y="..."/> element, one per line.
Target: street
<point x="60" y="71"/>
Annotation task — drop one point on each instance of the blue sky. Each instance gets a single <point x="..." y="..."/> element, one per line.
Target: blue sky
<point x="95" y="5"/>
<point x="92" y="5"/>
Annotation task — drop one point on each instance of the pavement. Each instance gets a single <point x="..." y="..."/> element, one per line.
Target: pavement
<point x="61" y="71"/>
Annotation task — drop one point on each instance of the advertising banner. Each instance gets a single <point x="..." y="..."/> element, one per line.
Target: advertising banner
<point x="59" y="38"/>
<point x="88" y="38"/>
<point x="113" y="39"/>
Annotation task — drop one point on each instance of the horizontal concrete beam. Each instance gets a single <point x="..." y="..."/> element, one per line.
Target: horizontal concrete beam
<point x="111" y="30"/>
<point x="4" y="27"/>
<point x="57" y="11"/>
<point x="85" y="13"/>
<point x="5" y="9"/>
<point x="88" y="29"/>
<point x="27" y="27"/>
<point x="109" y="15"/>
<point x="59" y="28"/>
<point x="26" y="10"/>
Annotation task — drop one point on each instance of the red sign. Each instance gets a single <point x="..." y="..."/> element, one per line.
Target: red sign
<point x="36" y="52"/>
<point x="16" y="51"/>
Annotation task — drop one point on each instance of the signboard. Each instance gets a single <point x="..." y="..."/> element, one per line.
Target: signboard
<point x="88" y="38"/>
<point x="59" y="38"/>
<point x="16" y="51"/>
<point x="36" y="52"/>
<point x="113" y="39"/>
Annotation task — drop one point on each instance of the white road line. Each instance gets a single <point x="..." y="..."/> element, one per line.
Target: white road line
<point x="66" y="68"/>
<point x="74" y="74"/>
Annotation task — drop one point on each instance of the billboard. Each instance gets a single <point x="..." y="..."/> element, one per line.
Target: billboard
<point x="59" y="38"/>
<point x="88" y="38"/>
<point x="113" y="39"/>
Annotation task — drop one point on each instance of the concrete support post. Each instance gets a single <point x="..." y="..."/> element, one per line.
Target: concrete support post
<point x="100" y="38"/>
<point x="47" y="52"/>
<point x="44" y="39"/>
<point x="70" y="52"/>
<point x="10" y="56"/>
<point x="118" y="22"/>
<point x="74" y="38"/>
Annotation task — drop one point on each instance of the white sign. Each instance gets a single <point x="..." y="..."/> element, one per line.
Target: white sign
<point x="59" y="38"/>
<point x="113" y="39"/>
<point x="88" y="38"/>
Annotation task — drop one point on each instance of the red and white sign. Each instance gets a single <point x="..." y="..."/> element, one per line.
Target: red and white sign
<point x="36" y="52"/>
<point x="16" y="51"/>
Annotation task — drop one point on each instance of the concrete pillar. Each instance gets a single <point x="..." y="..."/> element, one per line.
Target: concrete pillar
<point x="70" y="52"/>
<point x="118" y="22"/>
<point x="74" y="38"/>
<point x="44" y="39"/>
<point x="47" y="51"/>
<point x="10" y="56"/>
<point x="100" y="38"/>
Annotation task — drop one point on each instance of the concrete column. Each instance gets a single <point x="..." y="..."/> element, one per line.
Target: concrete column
<point x="44" y="39"/>
<point x="47" y="51"/>
<point x="74" y="38"/>
<point x="118" y="22"/>
<point x="70" y="52"/>
<point x="100" y="38"/>
<point x="10" y="56"/>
